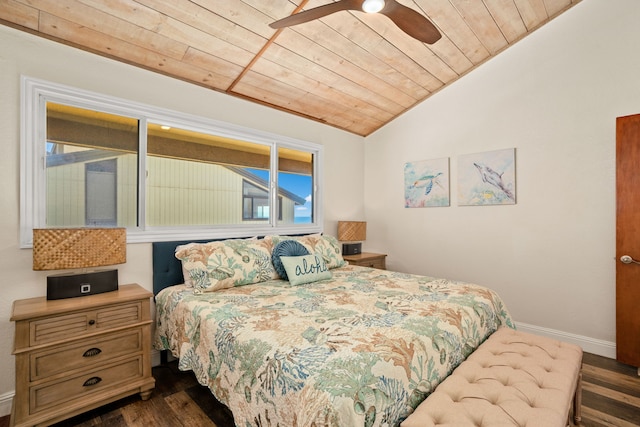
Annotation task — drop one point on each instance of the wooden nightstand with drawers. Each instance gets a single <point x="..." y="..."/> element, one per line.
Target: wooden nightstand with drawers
<point x="76" y="354"/>
<point x="367" y="259"/>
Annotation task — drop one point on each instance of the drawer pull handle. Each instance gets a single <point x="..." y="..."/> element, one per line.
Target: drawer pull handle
<point x="92" y="381"/>
<point x="92" y="352"/>
<point x="92" y="322"/>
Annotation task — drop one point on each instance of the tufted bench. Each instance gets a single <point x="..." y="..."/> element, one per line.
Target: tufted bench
<point x="512" y="379"/>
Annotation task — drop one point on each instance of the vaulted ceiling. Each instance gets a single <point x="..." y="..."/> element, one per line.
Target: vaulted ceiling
<point x="351" y="70"/>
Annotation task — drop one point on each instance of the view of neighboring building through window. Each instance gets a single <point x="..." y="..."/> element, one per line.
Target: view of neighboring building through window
<point x="111" y="169"/>
<point x="255" y="202"/>
<point x="81" y="190"/>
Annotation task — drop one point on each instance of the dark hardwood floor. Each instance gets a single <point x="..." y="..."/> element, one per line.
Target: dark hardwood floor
<point x="610" y="393"/>
<point x="611" y="397"/>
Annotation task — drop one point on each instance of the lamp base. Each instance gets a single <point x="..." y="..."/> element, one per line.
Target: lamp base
<point x="351" y="248"/>
<point x="61" y="286"/>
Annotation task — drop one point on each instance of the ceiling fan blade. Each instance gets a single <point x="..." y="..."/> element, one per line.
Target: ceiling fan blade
<point x="411" y="22"/>
<point x="317" y="12"/>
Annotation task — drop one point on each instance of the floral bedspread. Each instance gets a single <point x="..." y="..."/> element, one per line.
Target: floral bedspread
<point x="361" y="349"/>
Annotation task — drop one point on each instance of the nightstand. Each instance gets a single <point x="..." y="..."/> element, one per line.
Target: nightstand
<point x="367" y="259"/>
<point x="76" y="354"/>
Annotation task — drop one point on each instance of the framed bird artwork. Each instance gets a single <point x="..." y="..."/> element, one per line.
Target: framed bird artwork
<point x="426" y="183"/>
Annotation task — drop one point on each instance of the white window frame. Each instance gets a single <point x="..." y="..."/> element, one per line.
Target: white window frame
<point x="36" y="93"/>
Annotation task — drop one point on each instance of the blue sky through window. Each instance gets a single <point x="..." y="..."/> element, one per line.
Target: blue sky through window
<point x="299" y="185"/>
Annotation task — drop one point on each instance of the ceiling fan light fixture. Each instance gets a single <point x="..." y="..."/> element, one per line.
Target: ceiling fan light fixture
<point x="372" y="6"/>
<point x="413" y="23"/>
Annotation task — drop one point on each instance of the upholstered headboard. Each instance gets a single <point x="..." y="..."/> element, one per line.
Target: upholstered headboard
<point x="167" y="269"/>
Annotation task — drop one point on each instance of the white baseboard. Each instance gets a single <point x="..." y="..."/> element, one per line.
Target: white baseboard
<point x="589" y="345"/>
<point x="5" y="403"/>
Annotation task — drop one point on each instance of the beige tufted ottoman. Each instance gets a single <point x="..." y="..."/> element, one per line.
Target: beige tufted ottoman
<point x="512" y="379"/>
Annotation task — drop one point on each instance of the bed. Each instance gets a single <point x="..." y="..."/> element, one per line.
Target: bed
<point x="361" y="348"/>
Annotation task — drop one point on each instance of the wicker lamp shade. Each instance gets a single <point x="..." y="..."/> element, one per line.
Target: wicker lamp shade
<point x="352" y="231"/>
<point x="68" y="248"/>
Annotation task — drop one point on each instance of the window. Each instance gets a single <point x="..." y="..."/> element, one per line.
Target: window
<point x="161" y="174"/>
<point x="255" y="202"/>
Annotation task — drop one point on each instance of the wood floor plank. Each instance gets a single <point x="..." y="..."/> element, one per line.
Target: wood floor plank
<point x="614" y="380"/>
<point x="609" y="364"/>
<point x="148" y="413"/>
<point x="138" y="414"/>
<point x="220" y="414"/>
<point x="594" y="418"/>
<point x="613" y="394"/>
<point x="191" y="414"/>
<point x="620" y="410"/>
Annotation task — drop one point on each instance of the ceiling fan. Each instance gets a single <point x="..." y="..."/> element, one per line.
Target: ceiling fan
<point x="407" y="19"/>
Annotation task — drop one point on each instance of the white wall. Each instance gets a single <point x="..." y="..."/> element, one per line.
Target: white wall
<point x="554" y="96"/>
<point x="21" y="53"/>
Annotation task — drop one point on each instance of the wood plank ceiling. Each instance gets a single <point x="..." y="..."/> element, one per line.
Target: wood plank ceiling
<point x="350" y="70"/>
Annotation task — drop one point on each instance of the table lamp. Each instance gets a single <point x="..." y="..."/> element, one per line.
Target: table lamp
<point x="352" y="231"/>
<point x="79" y="248"/>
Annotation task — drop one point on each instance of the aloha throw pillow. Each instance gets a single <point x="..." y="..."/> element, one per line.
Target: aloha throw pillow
<point x="327" y="247"/>
<point x="225" y="264"/>
<point x="305" y="269"/>
<point x="286" y="248"/>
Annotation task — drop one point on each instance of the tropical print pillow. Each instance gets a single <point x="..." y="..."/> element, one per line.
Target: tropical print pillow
<point x="225" y="264"/>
